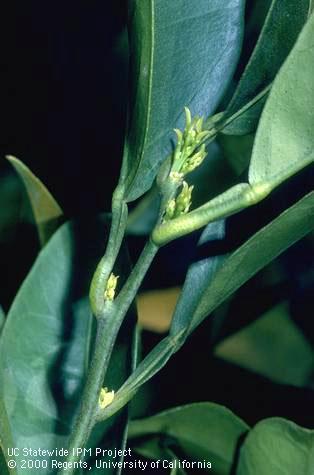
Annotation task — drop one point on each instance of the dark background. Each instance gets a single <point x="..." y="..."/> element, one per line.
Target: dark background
<point x="63" y="95"/>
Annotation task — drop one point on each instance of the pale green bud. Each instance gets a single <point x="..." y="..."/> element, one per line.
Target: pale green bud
<point x="199" y="125"/>
<point x="180" y="205"/>
<point x="193" y="162"/>
<point x="188" y="118"/>
<point x="170" y="210"/>
<point x="183" y="201"/>
<point x="179" y="146"/>
<point x="179" y="135"/>
<point x="176" y="177"/>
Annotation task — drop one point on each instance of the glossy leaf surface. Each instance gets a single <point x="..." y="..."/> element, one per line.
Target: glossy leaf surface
<point x="284" y="140"/>
<point x="2" y="318"/>
<point x="6" y="441"/>
<point x="201" y="431"/>
<point x="199" y="274"/>
<point x="282" y="25"/>
<point x="44" y="373"/>
<point x="274" y="238"/>
<point x="182" y="54"/>
<point x="277" y="446"/>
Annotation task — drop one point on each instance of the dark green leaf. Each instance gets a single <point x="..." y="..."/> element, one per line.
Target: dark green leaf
<point x="237" y="149"/>
<point x="180" y="56"/>
<point x="282" y="232"/>
<point x="42" y="376"/>
<point x="268" y="346"/>
<point x="281" y="28"/>
<point x="10" y="209"/>
<point x="202" y="431"/>
<point x="284" y="140"/>
<point x="246" y="121"/>
<point x="3" y="465"/>
<point x="277" y="446"/>
<point x="47" y="212"/>
<point x="6" y="441"/>
<point x="2" y="318"/>
<point x="178" y="471"/>
<point x="199" y="275"/>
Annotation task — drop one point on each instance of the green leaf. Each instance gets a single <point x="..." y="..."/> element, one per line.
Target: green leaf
<point x="2" y="318"/>
<point x="202" y="431"/>
<point x="6" y="441"/>
<point x="42" y="376"/>
<point x="3" y="466"/>
<point x="199" y="275"/>
<point x="241" y="265"/>
<point x="283" y="23"/>
<point x="177" y="471"/>
<point x="268" y="346"/>
<point x="179" y="57"/>
<point x="10" y="209"/>
<point x="47" y="212"/>
<point x="277" y="446"/>
<point x="284" y="140"/>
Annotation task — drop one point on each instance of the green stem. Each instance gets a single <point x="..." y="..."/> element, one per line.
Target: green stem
<point x="231" y="201"/>
<point x="108" y="327"/>
<point x="105" y="266"/>
<point x="106" y="335"/>
<point x="151" y="364"/>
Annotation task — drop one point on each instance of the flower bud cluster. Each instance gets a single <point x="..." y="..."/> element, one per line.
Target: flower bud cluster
<point x="189" y="153"/>
<point x="181" y="204"/>
<point x="190" y="150"/>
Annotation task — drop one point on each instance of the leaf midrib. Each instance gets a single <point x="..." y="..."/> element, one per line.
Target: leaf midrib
<point x="149" y="95"/>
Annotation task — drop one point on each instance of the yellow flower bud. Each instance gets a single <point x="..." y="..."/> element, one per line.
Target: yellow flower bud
<point x="111" y="287"/>
<point x="105" y="398"/>
<point x="193" y="162"/>
<point x="184" y="158"/>
<point x="184" y="201"/>
<point x="170" y="210"/>
<point x="176" y="177"/>
<point x="180" y="205"/>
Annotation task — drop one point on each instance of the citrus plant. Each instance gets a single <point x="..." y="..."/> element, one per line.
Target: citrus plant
<point x="210" y="142"/>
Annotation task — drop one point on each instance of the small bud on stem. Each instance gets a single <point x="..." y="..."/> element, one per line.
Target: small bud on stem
<point x="105" y="398"/>
<point x="111" y="287"/>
